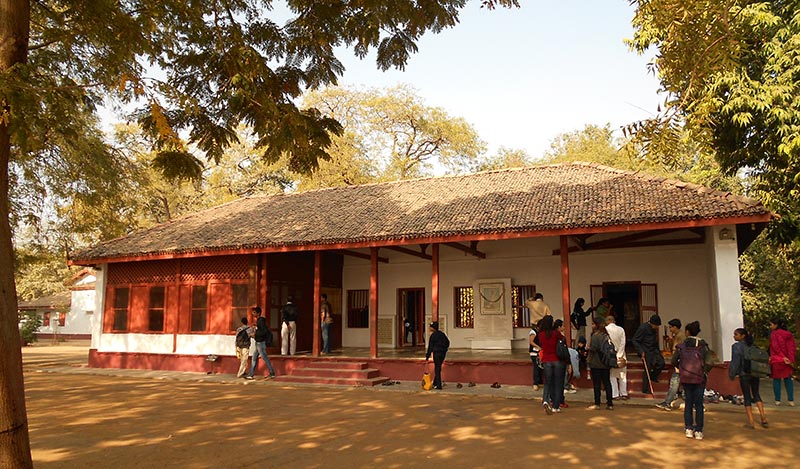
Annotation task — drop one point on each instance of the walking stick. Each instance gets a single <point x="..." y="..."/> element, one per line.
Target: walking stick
<point x="647" y="370"/>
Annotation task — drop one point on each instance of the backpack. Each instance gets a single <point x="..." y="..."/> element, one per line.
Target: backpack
<point x="608" y="354"/>
<point x="562" y="351"/>
<point x="243" y="339"/>
<point x="691" y="365"/>
<point x="756" y="362"/>
<point x="268" y="338"/>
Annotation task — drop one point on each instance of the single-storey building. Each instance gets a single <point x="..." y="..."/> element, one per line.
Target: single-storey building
<point x="464" y="250"/>
<point x="68" y="314"/>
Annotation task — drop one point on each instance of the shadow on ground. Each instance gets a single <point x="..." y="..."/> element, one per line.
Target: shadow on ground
<point x="121" y="422"/>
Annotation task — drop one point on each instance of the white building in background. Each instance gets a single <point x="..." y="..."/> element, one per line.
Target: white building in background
<point x="69" y="314"/>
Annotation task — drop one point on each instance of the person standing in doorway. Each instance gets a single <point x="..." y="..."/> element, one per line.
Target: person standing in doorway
<point x="326" y="315"/>
<point x="618" y="375"/>
<point x="645" y="341"/>
<point x="243" y="334"/>
<point x="261" y="344"/>
<point x="438" y="344"/>
<point x="538" y="308"/>
<point x="603" y="308"/>
<point x="289" y="327"/>
<point x="782" y="349"/>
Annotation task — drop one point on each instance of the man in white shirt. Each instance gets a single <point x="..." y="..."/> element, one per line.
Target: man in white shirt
<point x="619" y="385"/>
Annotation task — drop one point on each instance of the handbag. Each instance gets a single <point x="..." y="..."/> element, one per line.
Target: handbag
<point x="427" y="381"/>
<point x="561" y="351"/>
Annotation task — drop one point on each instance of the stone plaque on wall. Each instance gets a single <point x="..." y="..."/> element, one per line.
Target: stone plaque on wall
<point x="493" y="328"/>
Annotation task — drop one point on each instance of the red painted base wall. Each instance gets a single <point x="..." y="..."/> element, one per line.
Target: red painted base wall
<point x="504" y="372"/>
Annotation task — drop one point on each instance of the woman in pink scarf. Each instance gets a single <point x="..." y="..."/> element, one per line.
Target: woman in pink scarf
<point x="782" y="348"/>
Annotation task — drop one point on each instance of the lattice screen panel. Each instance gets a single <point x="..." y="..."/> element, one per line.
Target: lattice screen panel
<point x="142" y="272"/>
<point x="385" y="330"/>
<point x="218" y="267"/>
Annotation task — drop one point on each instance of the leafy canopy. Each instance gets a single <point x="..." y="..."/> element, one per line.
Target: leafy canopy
<point x="731" y="73"/>
<point x="395" y="135"/>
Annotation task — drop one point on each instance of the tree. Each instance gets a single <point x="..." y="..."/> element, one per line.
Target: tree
<point x="688" y="162"/>
<point x="395" y="131"/>
<point x="731" y="74"/>
<point x="506" y="158"/>
<point x="199" y="67"/>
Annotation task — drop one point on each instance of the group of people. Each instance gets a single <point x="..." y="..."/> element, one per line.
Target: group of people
<point x="262" y="336"/>
<point x="691" y="360"/>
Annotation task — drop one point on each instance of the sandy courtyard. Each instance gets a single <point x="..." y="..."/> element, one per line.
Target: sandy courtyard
<point x="100" y="421"/>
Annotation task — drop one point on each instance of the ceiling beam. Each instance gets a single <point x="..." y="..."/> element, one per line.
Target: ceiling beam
<point x="360" y="255"/>
<point x="471" y="249"/>
<point x="639" y="244"/>
<point x="410" y="252"/>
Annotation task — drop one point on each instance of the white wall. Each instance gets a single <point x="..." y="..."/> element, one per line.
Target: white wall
<point x="80" y="317"/>
<point x="680" y="273"/>
<point x="723" y="279"/>
<point x="99" y="301"/>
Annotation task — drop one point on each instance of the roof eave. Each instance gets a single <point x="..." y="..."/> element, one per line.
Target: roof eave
<point x="763" y="218"/>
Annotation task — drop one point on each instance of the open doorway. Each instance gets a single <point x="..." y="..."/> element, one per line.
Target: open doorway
<point x="633" y="303"/>
<point x="411" y="316"/>
<point x="626" y="307"/>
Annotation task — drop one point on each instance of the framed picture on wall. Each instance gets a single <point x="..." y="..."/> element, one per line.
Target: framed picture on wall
<point x="492" y="298"/>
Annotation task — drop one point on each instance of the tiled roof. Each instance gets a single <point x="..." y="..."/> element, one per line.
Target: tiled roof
<point x="560" y="197"/>
<point x="55" y="301"/>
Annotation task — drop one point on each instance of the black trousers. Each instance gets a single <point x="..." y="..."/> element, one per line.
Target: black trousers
<point x="438" y="359"/>
<point x="655" y="363"/>
<point x="601" y="376"/>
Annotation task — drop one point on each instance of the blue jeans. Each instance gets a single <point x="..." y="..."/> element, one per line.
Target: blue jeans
<point x="776" y="386"/>
<point x="261" y="350"/>
<point x="326" y="337"/>
<point x="553" y="383"/>
<point x="693" y="395"/>
<point x="672" y="392"/>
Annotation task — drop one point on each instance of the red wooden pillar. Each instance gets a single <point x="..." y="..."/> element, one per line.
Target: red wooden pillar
<point x="434" y="284"/>
<point x="565" y="288"/>
<point x="263" y="289"/>
<point x="373" y="304"/>
<point x="177" y="303"/>
<point x="317" y="292"/>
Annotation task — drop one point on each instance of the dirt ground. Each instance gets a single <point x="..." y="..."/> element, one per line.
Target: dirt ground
<point x="100" y="421"/>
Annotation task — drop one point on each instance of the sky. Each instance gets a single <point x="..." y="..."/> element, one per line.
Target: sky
<point x="523" y="76"/>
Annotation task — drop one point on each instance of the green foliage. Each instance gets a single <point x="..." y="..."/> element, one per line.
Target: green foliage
<point x="30" y="322"/>
<point x="774" y="272"/>
<point x="39" y="271"/>
<point x="392" y="134"/>
<point x="731" y="73"/>
<point x="506" y="158"/>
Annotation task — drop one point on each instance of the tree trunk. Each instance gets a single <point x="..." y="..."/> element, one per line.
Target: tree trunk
<point x="15" y="448"/>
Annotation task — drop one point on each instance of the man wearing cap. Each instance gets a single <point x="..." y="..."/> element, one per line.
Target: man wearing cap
<point x="645" y="341"/>
<point x="438" y="343"/>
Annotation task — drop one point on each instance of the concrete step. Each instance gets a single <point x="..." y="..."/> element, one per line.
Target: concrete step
<point x="338" y="365"/>
<point x="336" y="373"/>
<point x="332" y="380"/>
